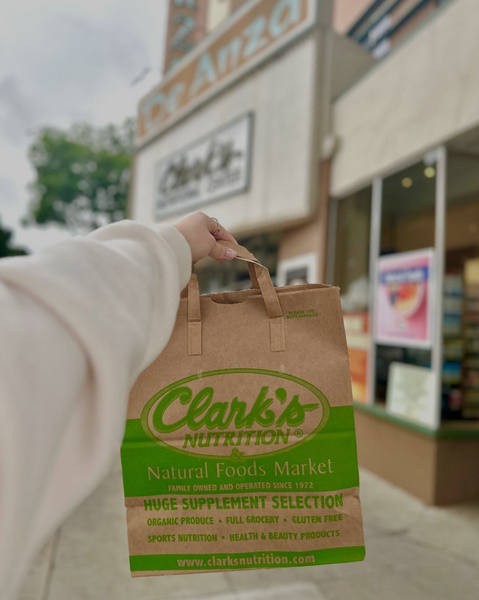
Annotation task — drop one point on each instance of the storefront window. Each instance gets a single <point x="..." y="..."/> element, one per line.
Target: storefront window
<point x="402" y="368"/>
<point x="351" y="274"/>
<point x="408" y="208"/>
<point x="460" y="398"/>
<point x="404" y="296"/>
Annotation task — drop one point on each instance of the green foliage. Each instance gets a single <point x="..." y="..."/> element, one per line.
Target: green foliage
<point x="82" y="176"/>
<point x="6" y="248"/>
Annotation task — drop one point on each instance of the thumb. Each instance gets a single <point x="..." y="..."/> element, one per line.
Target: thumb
<point x="220" y="253"/>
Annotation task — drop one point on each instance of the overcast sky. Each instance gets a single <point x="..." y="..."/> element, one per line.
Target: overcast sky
<point x="62" y="61"/>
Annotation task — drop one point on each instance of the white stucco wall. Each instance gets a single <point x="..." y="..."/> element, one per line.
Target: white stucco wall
<point x="423" y="94"/>
<point x="281" y="96"/>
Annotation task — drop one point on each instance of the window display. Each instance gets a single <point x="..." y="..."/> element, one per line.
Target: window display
<point x="461" y="288"/>
<point x="404" y="299"/>
<point x="351" y="274"/>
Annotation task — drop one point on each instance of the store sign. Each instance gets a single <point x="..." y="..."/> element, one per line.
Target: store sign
<point x="210" y="169"/>
<point x="186" y="26"/>
<point x="404" y="299"/>
<point x="248" y="39"/>
<point x="410" y="394"/>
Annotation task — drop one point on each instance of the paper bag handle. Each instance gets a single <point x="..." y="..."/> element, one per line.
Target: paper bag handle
<point x="260" y="279"/>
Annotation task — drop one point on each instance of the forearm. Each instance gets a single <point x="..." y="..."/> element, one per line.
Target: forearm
<point x="78" y="323"/>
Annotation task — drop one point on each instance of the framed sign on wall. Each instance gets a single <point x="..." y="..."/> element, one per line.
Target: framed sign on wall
<point x="411" y="394"/>
<point x="298" y="270"/>
<point x="212" y="168"/>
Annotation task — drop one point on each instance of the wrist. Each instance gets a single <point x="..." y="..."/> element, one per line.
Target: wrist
<point x="181" y="249"/>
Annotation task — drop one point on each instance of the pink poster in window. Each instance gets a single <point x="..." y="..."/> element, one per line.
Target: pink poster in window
<point x="404" y="299"/>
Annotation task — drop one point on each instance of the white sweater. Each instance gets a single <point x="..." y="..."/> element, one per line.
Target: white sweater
<point x="79" y="321"/>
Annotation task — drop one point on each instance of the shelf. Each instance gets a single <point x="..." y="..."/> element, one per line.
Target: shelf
<point x="461" y="429"/>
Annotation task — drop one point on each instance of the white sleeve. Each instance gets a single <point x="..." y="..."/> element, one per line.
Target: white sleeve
<point x="79" y="321"/>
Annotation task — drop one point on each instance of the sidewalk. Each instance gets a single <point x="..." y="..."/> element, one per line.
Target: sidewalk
<point x="413" y="552"/>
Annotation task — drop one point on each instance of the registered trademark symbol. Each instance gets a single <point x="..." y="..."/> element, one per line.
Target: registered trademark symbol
<point x="298" y="433"/>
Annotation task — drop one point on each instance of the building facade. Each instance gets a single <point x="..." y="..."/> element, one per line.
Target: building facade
<point x="331" y="165"/>
<point x="380" y="25"/>
<point x="405" y="204"/>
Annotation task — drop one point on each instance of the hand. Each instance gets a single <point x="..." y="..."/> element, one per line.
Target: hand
<point x="200" y="231"/>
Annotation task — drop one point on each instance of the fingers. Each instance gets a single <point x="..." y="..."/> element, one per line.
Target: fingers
<point x="225" y="235"/>
<point x="212" y="225"/>
<point x="220" y="253"/>
<point x="222" y="234"/>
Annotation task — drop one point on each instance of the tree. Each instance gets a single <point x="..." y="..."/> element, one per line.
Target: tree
<point x="82" y="176"/>
<point x="6" y="248"/>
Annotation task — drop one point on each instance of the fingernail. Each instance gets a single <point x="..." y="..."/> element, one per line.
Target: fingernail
<point x="230" y="253"/>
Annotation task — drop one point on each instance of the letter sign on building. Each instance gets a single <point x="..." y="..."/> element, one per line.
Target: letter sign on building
<point x="210" y="169"/>
<point x="253" y="35"/>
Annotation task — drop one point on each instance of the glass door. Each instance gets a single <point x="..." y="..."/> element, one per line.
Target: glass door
<point x="404" y="296"/>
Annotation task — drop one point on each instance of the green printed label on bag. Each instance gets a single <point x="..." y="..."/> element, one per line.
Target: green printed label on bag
<point x="265" y="414"/>
<point x="241" y="468"/>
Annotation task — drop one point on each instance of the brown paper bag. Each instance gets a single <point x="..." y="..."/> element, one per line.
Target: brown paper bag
<point x="240" y="449"/>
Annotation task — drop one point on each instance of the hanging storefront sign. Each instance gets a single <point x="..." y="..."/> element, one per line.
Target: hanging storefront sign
<point x="212" y="168"/>
<point x="404" y="299"/>
<point x="411" y="394"/>
<point x="245" y="41"/>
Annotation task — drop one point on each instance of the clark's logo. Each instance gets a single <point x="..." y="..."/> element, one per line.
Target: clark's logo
<point x="236" y="413"/>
